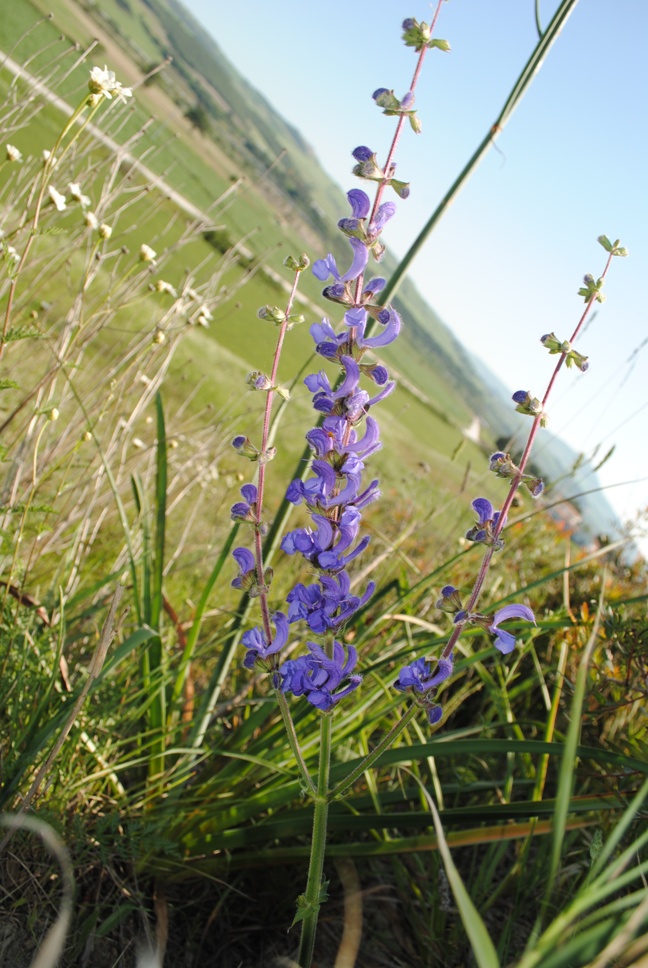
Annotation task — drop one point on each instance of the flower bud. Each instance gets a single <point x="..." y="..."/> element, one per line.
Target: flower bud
<point x="529" y="405"/>
<point x="272" y="313"/>
<point x="297" y="265"/>
<point x="147" y="254"/>
<point x="450" y="600"/>
<point x="258" y="381"/>
<point x="245" y="447"/>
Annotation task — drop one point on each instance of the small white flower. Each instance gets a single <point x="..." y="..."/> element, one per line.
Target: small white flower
<point x="162" y="286"/>
<point x="105" y="231"/>
<point x="103" y="83"/>
<point x="48" y="157"/>
<point x="74" y="189"/>
<point x="138" y="443"/>
<point x="10" y="253"/>
<point x="13" y="153"/>
<point x="147" y="254"/>
<point x="91" y="220"/>
<point x="57" y="198"/>
<point x="204" y="317"/>
<point x="53" y="414"/>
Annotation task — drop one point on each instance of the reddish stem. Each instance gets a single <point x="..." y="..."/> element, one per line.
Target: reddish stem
<point x="258" y="544"/>
<point x="517" y="480"/>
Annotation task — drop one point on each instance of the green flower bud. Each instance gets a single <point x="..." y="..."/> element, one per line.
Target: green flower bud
<point x="297" y="265"/>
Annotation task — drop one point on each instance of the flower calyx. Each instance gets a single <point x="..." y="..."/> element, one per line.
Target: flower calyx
<point x="297" y="264"/>
<point x="614" y="248"/>
<point x="368" y="168"/>
<point x="572" y="358"/>
<point x="417" y="35"/>
<point x="503" y="466"/>
<point x="392" y="107"/>
<point x="487" y="528"/>
<point x="591" y="289"/>
<point x="277" y="316"/>
<point x="525" y="403"/>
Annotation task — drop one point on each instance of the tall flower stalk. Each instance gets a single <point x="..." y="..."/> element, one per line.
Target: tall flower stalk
<point x="418" y="678"/>
<point x="335" y="494"/>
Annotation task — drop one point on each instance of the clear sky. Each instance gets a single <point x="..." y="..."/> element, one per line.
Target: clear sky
<point x="504" y="264"/>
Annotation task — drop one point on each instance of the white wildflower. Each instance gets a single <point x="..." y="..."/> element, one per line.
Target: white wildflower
<point x="49" y="158"/>
<point x="74" y="189"/>
<point x="204" y="317"/>
<point x="53" y="414"/>
<point x="91" y="220"/>
<point x="162" y="286"/>
<point x="105" y="231"/>
<point x="147" y="254"/>
<point x="13" y="154"/>
<point x="103" y="83"/>
<point x="57" y="198"/>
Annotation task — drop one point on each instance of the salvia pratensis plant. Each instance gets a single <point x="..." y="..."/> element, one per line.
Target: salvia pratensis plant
<point x="337" y="491"/>
<point x="332" y="496"/>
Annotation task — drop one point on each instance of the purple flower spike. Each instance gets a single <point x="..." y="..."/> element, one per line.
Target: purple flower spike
<point x="504" y="641"/>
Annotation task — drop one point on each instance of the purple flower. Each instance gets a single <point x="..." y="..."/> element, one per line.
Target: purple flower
<point x="487" y="521"/>
<point x="417" y="676"/>
<point x="450" y="600"/>
<point x="257" y="644"/>
<point x="327" y="605"/>
<point x="245" y="510"/>
<point x="318" y="678"/>
<point x="324" y="268"/>
<point x="360" y="203"/>
<point x="247" y="568"/>
<point x="504" y="641"/>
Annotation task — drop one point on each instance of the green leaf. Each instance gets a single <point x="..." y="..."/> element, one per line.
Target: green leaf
<point x="483" y="948"/>
<point x="440" y="44"/>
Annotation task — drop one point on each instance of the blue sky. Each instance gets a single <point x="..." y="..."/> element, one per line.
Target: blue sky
<point x="504" y="265"/>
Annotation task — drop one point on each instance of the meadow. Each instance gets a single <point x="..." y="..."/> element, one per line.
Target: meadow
<point x="154" y="808"/>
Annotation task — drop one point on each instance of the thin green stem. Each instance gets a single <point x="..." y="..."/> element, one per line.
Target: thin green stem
<point x="294" y="743"/>
<point x="309" y="903"/>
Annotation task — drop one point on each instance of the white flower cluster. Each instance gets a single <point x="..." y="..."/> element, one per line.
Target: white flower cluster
<point x="103" y="83"/>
